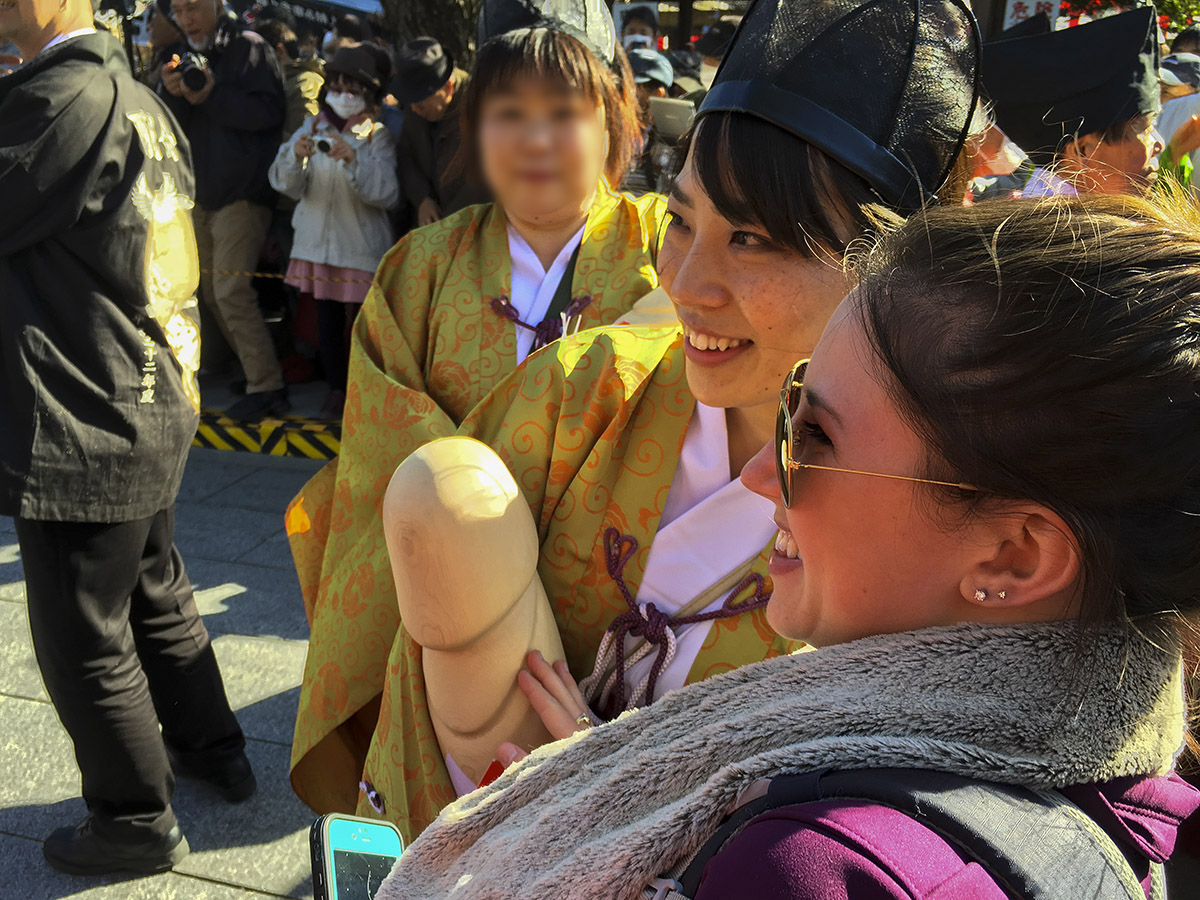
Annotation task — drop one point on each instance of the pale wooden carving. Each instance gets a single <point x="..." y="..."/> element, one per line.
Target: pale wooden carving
<point x="464" y="552"/>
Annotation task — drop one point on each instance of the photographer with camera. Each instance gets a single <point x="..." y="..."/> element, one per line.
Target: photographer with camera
<point x="340" y="167"/>
<point x="226" y="89"/>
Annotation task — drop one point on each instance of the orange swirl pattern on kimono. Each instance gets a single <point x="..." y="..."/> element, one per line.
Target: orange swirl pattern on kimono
<point x="592" y="429"/>
<point x="426" y="348"/>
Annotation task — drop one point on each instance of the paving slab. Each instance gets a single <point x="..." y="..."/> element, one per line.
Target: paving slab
<point x="6" y="525"/>
<point x="263" y="490"/>
<point x="27" y="877"/>
<point x="11" y="571"/>
<point x="262" y="680"/>
<point x="249" y="600"/>
<point x="40" y="788"/>
<point x="275" y="553"/>
<point x="207" y="475"/>
<point x="220" y="533"/>
<point x="19" y="675"/>
<point x="261" y="844"/>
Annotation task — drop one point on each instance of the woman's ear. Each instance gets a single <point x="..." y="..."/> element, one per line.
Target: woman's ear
<point x="1029" y="565"/>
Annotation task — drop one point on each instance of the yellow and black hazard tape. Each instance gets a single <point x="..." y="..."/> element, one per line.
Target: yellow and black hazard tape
<point x="279" y="436"/>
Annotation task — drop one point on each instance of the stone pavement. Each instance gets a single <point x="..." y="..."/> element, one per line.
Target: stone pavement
<point x="229" y="528"/>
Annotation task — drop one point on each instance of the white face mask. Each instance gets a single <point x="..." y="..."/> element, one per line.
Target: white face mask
<point x="638" y="40"/>
<point x="346" y="106"/>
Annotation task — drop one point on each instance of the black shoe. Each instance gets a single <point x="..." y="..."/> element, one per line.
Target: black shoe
<point x="255" y="407"/>
<point x="80" y="851"/>
<point x="234" y="779"/>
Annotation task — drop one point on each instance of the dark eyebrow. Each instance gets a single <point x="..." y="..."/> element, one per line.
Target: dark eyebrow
<point x="816" y="401"/>
<point x="681" y="195"/>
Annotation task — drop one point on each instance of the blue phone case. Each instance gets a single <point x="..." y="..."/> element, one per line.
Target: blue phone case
<point x="351" y="856"/>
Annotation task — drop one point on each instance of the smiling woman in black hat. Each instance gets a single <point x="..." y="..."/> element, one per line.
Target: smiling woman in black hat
<point x="626" y="441"/>
<point x="340" y="166"/>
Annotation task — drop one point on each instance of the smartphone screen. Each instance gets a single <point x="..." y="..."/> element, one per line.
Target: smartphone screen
<point x="361" y="855"/>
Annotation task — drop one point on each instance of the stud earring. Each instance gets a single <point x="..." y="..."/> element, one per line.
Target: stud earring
<point x="980" y="595"/>
<point x="1002" y="594"/>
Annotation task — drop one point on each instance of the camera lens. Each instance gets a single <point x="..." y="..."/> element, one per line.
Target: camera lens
<point x="323" y="145"/>
<point x="193" y="78"/>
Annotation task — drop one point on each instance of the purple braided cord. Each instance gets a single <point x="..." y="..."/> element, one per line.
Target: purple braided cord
<point x="618" y="550"/>
<point x="545" y="332"/>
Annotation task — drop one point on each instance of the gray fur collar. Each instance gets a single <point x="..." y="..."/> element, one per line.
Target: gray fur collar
<point x="600" y="814"/>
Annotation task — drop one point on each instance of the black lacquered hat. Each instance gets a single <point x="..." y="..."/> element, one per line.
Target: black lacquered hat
<point x="1045" y="88"/>
<point x="588" y="21"/>
<point x="885" y="87"/>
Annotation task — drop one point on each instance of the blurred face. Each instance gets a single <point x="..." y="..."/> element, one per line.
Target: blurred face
<point x="856" y="555"/>
<point x="433" y="107"/>
<point x="197" y="19"/>
<point x="341" y="84"/>
<point x="160" y="31"/>
<point x="1125" y="166"/>
<point x="637" y="26"/>
<point x="542" y="148"/>
<point x="750" y="309"/>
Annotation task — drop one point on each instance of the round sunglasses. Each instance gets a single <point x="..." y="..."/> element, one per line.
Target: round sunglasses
<point x="785" y="442"/>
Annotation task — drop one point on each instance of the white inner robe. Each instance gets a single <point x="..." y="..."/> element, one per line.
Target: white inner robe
<point x="710" y="525"/>
<point x="533" y="287"/>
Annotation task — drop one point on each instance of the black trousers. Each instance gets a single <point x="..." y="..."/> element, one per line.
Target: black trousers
<point x="122" y="648"/>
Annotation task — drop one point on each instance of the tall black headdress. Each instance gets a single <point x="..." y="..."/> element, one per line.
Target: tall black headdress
<point x="588" y="21"/>
<point x="885" y="87"/>
<point x="1076" y="81"/>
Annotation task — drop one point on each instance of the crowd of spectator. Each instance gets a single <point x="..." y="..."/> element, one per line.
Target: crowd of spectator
<point x="292" y="133"/>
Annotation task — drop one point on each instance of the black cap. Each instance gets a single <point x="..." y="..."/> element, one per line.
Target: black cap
<point x="422" y="68"/>
<point x="359" y="63"/>
<point x="1180" y="69"/>
<point x="887" y="88"/>
<point x="645" y="14"/>
<point x="686" y="62"/>
<point x="271" y="13"/>
<point x="716" y="38"/>
<point x="1075" y="81"/>
<point x="650" y="65"/>
<point x="588" y="21"/>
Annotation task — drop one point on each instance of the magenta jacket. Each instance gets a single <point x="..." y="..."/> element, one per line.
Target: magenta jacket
<point x="855" y="850"/>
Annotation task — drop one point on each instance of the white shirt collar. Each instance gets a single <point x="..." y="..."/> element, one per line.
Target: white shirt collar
<point x="62" y="38"/>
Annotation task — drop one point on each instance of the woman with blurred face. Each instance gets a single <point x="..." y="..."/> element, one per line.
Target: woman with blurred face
<point x="626" y="442"/>
<point x="455" y="307"/>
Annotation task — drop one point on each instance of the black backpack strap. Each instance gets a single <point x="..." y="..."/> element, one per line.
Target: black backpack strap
<point x="1035" y="844"/>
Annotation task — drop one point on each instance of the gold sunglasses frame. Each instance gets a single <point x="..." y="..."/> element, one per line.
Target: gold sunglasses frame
<point x="785" y="442"/>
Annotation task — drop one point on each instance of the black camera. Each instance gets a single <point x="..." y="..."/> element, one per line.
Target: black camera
<point x="324" y="145"/>
<point x="192" y="67"/>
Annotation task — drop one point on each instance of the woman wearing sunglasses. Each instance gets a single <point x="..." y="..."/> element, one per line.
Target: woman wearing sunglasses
<point x="627" y="442"/>
<point x="988" y="507"/>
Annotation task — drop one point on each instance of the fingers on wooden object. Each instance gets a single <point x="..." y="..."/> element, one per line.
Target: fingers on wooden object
<point x="464" y="551"/>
